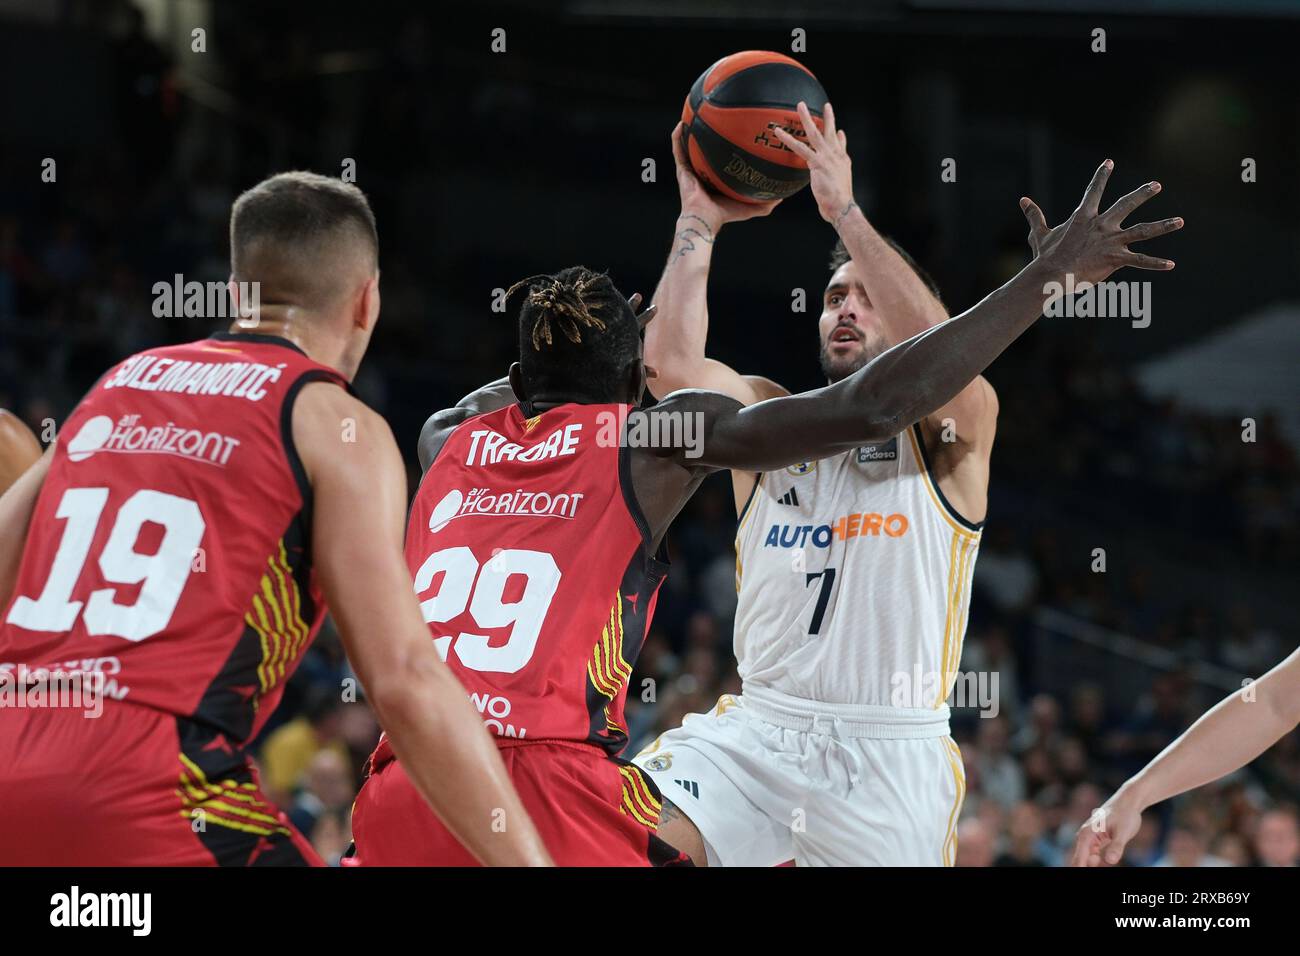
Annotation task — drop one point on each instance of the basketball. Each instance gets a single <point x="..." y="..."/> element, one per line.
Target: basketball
<point x="729" y="116"/>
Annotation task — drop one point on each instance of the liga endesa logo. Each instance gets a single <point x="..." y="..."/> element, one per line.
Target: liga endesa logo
<point x="864" y="524"/>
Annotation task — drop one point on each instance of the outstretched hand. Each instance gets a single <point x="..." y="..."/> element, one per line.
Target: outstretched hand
<point x="1102" y="839"/>
<point x="1091" y="245"/>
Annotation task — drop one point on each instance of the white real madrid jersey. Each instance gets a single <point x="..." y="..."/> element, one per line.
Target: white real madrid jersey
<point x="853" y="577"/>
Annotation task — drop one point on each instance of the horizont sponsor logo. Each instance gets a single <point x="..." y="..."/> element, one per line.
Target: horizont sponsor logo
<point x="129" y="435"/>
<point x="517" y="503"/>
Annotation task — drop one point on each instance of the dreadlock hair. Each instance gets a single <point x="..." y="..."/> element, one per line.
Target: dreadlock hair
<point x="840" y="255"/>
<point x="576" y="334"/>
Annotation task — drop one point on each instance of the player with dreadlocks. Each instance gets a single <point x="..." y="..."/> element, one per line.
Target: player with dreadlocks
<point x="534" y="538"/>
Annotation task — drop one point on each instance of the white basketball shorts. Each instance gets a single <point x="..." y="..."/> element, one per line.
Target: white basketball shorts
<point x="767" y="778"/>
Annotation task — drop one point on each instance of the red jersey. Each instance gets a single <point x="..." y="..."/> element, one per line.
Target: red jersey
<point x="169" y="548"/>
<point x="534" y="568"/>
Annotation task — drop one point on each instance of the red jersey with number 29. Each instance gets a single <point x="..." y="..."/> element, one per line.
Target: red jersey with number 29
<point x="534" y="569"/>
<point x="169" y="546"/>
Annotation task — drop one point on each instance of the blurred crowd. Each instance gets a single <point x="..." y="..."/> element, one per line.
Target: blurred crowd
<point x="1076" y="436"/>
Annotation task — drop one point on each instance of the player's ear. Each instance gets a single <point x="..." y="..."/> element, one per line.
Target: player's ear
<point x="517" y="382"/>
<point x="237" y="303"/>
<point x="636" y="380"/>
<point x="367" y="307"/>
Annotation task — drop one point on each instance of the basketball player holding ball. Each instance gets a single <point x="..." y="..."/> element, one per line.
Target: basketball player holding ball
<point x="853" y="571"/>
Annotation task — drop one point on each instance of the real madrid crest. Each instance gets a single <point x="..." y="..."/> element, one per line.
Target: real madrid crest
<point x="659" y="762"/>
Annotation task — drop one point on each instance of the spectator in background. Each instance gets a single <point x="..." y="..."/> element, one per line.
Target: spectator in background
<point x="1026" y="845"/>
<point x="1187" y="847"/>
<point x="988" y="651"/>
<point x="1277" y="838"/>
<point x="328" y="786"/>
<point x="1043" y="728"/>
<point x="1000" y="775"/>
<point x="975" y="843"/>
<point x="1005" y="574"/>
<point x="332" y="835"/>
<point x="289" y="750"/>
<point x="1232" y="849"/>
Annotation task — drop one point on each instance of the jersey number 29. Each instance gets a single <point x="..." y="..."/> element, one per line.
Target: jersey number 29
<point x="481" y="589"/>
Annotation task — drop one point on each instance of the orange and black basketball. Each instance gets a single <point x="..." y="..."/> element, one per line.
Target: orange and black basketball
<point x="729" y="116"/>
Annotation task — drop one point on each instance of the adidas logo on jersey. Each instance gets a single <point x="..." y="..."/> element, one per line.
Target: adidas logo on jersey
<point x="791" y="498"/>
<point x="690" y="786"/>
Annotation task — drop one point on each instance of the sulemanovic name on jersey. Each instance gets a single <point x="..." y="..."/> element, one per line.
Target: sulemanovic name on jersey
<point x="154" y="373"/>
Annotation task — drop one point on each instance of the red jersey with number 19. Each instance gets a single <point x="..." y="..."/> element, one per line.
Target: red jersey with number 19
<point x="167" y="564"/>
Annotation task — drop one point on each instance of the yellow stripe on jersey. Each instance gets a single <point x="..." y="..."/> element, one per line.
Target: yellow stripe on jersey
<point x="947" y="621"/>
<point x="959" y="620"/>
<point x="607" y="670"/>
<point x="275" y="614"/>
<point x="638" y="801"/>
<point x="960" y="568"/>
<point x="959" y="778"/>
<point x="291" y="602"/>
<point x="198" y="794"/>
<point x="933" y="492"/>
<point x="744" y="520"/>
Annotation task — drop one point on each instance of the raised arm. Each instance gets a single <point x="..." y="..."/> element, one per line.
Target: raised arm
<point x="903" y="303"/>
<point x="1228" y="736"/>
<point x="918" y="376"/>
<point x="359" y="509"/>
<point x="675" y="341"/>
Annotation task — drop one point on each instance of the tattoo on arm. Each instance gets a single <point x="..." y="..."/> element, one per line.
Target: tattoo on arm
<point x="668" y="812"/>
<point x="847" y="209"/>
<point x="687" y="236"/>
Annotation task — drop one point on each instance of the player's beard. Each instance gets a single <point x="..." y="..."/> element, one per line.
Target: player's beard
<point x="836" y="369"/>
